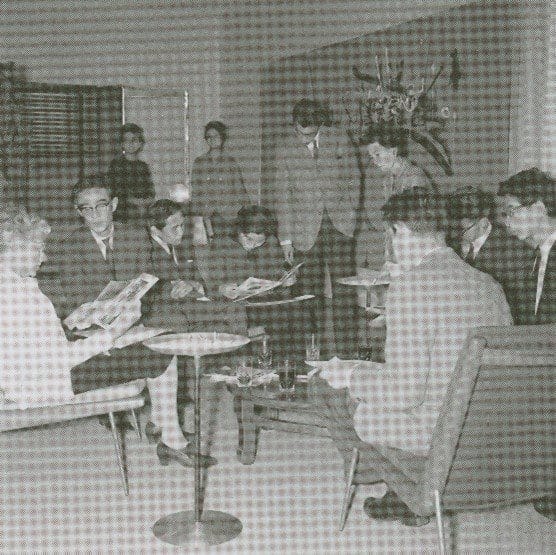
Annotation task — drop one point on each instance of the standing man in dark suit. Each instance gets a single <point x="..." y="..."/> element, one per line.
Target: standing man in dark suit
<point x="490" y="248"/>
<point x="316" y="199"/>
<point x="95" y="253"/>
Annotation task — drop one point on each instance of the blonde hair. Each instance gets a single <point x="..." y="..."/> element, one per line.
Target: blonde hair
<point x="16" y="223"/>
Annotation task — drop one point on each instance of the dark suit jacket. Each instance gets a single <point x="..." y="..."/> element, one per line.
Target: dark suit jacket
<point x="76" y="271"/>
<point x="510" y="262"/>
<point x="162" y="264"/>
<point x="546" y="312"/>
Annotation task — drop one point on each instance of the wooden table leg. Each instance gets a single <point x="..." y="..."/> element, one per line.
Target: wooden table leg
<point x="247" y="431"/>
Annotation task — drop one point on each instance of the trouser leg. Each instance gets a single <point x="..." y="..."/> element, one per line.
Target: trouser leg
<point x="338" y="409"/>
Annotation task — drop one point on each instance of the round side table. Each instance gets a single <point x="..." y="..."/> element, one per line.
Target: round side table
<point x="197" y="527"/>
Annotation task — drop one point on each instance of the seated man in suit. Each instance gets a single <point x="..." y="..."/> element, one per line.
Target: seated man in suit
<point x="97" y="252"/>
<point x="530" y="200"/>
<point x="431" y="305"/>
<point x="487" y="246"/>
<point x="85" y="261"/>
<point x="173" y="302"/>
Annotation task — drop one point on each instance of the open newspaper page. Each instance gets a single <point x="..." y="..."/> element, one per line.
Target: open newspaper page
<point x="108" y="306"/>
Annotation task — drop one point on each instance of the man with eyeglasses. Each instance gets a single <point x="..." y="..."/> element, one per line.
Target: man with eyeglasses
<point x="487" y="246"/>
<point x="97" y="252"/>
<point x="316" y="198"/>
<point x="529" y="198"/>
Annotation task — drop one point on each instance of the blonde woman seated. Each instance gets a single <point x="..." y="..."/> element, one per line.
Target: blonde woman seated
<point x="40" y="367"/>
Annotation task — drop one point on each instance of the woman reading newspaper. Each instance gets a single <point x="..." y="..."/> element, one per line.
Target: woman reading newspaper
<point x="252" y="251"/>
<point x="249" y="266"/>
<point x="40" y="367"/>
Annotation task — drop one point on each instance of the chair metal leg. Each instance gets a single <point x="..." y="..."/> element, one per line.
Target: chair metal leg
<point x="439" y="522"/>
<point x="350" y="488"/>
<point x="135" y="423"/>
<point x="119" y="451"/>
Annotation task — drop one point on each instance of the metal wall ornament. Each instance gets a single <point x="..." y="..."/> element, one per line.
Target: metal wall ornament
<point x="411" y="109"/>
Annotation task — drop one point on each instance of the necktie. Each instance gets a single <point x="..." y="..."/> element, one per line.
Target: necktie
<point x="174" y="255"/>
<point x="110" y="257"/>
<point x="470" y="256"/>
<point x="315" y="150"/>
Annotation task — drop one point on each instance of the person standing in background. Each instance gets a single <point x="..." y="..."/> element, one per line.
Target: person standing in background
<point x="131" y="177"/>
<point x="217" y="188"/>
<point x="316" y="198"/>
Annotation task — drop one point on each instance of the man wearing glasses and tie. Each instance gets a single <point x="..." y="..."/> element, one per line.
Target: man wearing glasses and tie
<point x="489" y="247"/>
<point x="316" y="198"/>
<point x="95" y="253"/>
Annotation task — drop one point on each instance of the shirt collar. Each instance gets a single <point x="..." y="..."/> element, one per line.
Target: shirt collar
<point x="546" y="245"/>
<point x="170" y="250"/>
<point x="100" y="240"/>
<point x="480" y="241"/>
<point x="162" y="243"/>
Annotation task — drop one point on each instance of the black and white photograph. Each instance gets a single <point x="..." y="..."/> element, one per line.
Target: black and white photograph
<point x="278" y="276"/>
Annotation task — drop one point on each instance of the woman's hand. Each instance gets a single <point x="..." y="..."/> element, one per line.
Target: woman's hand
<point x="288" y="253"/>
<point x="229" y="290"/>
<point x="183" y="289"/>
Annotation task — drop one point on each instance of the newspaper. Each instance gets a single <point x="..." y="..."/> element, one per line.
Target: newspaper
<point x="108" y="306"/>
<point x="255" y="286"/>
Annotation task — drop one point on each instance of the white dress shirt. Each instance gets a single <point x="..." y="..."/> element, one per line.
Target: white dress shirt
<point x="100" y="241"/>
<point x="545" y="249"/>
<point x="477" y="243"/>
<point x="169" y="249"/>
<point x="36" y="357"/>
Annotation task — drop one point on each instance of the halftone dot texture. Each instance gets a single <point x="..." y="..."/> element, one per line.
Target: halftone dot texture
<point x="246" y="63"/>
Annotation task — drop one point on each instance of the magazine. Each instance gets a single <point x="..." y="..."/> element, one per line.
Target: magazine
<point x="107" y="307"/>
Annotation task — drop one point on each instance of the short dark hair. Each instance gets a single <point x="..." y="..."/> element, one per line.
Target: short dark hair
<point x="422" y="210"/>
<point x="308" y="112"/>
<point x="133" y="128"/>
<point x="91" y="182"/>
<point x="386" y="134"/>
<point x="530" y="186"/>
<point x="255" y="219"/>
<point x="219" y="127"/>
<point x="159" y="211"/>
<point x="471" y="203"/>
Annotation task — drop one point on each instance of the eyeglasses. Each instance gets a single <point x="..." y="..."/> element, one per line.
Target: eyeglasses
<point x="90" y="210"/>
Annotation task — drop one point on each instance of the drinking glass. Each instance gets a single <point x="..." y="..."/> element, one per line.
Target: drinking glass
<point x="312" y="347"/>
<point x="265" y="356"/>
<point x="244" y="371"/>
<point x="286" y="373"/>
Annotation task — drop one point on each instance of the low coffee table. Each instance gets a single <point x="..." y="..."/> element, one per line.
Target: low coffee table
<point x="271" y="409"/>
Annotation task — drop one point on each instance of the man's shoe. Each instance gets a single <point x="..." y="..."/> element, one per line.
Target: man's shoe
<point x="391" y="507"/>
<point x="167" y="454"/>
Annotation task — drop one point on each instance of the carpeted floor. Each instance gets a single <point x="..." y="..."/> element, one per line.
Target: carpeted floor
<point x="61" y="492"/>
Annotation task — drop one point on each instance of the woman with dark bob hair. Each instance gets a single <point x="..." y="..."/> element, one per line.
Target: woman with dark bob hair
<point x="130" y="177"/>
<point x="217" y="188"/>
<point x="250" y="250"/>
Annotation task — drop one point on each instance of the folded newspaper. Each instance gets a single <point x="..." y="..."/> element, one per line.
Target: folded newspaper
<point x="108" y="306"/>
<point x="255" y="286"/>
